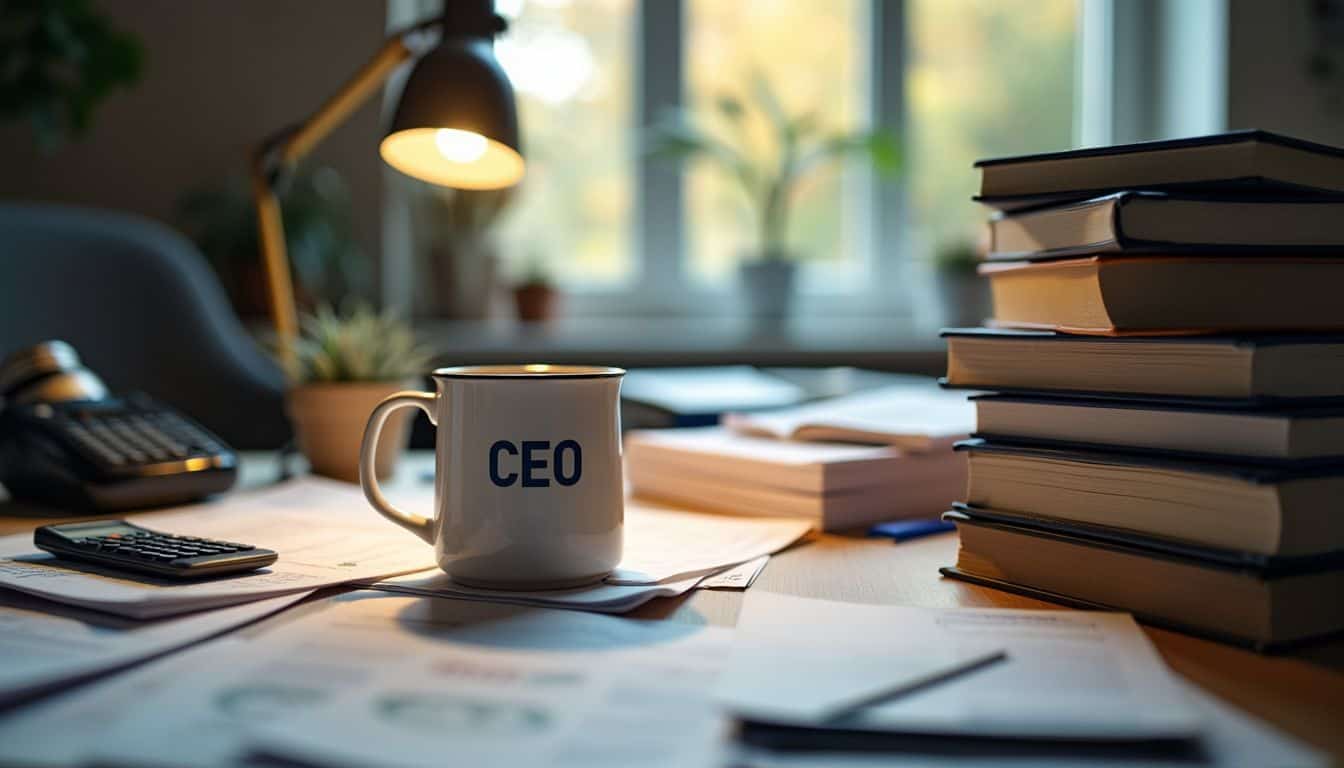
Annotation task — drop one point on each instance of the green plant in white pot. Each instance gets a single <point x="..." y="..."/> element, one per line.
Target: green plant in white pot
<point x="345" y="364"/>
<point x="768" y="173"/>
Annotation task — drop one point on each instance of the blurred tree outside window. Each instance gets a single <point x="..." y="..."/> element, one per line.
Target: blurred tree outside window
<point x="571" y="64"/>
<point x="982" y="78"/>
<point x="814" y="55"/>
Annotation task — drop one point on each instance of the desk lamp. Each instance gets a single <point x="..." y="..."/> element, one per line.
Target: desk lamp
<point x="455" y="125"/>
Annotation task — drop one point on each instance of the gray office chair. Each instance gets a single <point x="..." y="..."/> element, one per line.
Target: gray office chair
<point x="140" y="304"/>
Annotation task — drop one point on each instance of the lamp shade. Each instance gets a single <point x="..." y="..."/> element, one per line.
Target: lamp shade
<point x="456" y="123"/>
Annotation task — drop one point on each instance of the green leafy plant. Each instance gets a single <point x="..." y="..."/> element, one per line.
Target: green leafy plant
<point x="767" y="175"/>
<point x="319" y="236"/>
<point x="59" y="59"/>
<point x="957" y="257"/>
<point x="361" y="345"/>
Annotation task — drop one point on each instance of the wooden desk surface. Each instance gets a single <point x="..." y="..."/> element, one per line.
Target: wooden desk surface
<point x="1301" y="693"/>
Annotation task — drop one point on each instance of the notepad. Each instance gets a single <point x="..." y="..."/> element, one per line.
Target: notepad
<point x="1068" y="674"/>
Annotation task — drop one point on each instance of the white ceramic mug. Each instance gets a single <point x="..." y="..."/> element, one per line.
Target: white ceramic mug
<point x="527" y="489"/>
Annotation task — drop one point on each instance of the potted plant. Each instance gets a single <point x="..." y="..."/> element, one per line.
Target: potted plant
<point x="59" y="62"/>
<point x="535" y="296"/>
<point x="457" y="228"/>
<point x="767" y="176"/>
<point x="962" y="294"/>
<point x="344" y="366"/>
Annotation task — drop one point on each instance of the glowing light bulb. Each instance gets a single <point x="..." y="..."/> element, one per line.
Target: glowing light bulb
<point x="460" y="146"/>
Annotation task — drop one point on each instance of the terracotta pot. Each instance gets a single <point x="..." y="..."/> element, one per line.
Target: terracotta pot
<point x="329" y="424"/>
<point x="535" y="302"/>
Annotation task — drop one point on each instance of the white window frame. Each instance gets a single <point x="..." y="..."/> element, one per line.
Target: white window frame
<point x="661" y="283"/>
<point x="1130" y="68"/>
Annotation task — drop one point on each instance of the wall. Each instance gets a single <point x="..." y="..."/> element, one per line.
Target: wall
<point x="1269" y="87"/>
<point x="219" y="76"/>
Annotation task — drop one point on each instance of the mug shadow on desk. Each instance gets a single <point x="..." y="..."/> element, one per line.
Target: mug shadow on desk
<point x="496" y="625"/>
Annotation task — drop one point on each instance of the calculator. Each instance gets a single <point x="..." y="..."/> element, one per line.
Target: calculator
<point x="128" y="547"/>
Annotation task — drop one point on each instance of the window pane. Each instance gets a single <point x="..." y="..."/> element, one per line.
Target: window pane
<point x="985" y="78"/>
<point x="813" y="55"/>
<point x="570" y="63"/>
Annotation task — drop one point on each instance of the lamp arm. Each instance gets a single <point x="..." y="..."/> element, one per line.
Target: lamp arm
<point x="285" y="149"/>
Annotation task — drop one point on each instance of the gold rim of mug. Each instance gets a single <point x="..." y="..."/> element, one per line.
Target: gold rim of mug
<point x="528" y="371"/>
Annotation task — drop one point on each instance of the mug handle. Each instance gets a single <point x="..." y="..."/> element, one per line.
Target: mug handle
<point x="368" y="477"/>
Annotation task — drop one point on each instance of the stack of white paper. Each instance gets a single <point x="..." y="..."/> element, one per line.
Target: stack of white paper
<point x="598" y="598"/>
<point x="667" y="552"/>
<point x="324" y="531"/>
<point x="837" y="486"/>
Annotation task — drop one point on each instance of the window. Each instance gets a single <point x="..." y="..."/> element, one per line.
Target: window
<point x="983" y="79"/>
<point x="570" y="68"/>
<point x="812" y="54"/>
<point x="959" y="79"/>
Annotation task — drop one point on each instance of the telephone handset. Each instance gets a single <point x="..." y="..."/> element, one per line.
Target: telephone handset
<point x="65" y="441"/>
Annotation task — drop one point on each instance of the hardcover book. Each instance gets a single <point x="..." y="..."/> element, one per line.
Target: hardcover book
<point x="1248" y="370"/>
<point x="1247" y="162"/>
<point x="1152" y="222"/>
<point x="1153" y="295"/>
<point x="1260" y="607"/>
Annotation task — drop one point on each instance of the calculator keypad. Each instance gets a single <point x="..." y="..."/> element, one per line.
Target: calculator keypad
<point x="147" y="546"/>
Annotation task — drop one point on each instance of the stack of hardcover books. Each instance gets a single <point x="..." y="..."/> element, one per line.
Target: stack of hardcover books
<point x="1166" y="356"/>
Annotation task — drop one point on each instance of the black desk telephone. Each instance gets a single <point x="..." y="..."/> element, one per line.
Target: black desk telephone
<point x="65" y="441"/>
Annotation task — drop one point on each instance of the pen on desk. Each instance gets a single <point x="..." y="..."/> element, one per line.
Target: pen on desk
<point x="904" y="688"/>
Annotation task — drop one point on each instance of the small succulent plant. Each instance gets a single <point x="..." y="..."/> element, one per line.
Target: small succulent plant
<point x="361" y="345"/>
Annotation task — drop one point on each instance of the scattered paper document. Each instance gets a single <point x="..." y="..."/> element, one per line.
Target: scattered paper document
<point x="1068" y="674"/>
<point x="70" y="728"/>
<point x="836" y="485"/>
<point x="708" y="391"/>
<point x="66" y="728"/>
<point x="924" y="418"/>
<point x="599" y="598"/>
<point x="666" y="544"/>
<point x="324" y="530"/>
<point x="738" y="577"/>
<point x="599" y="691"/>
<point x="378" y="679"/>
<point x="45" y="645"/>
<point x="668" y="552"/>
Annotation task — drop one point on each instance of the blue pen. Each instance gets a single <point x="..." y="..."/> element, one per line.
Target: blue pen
<point x="904" y="530"/>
